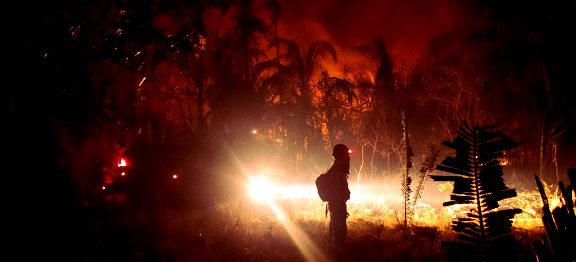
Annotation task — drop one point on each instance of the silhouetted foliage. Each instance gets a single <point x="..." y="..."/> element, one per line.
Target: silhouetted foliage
<point x="485" y="233"/>
<point x="559" y="242"/>
<point x="428" y="166"/>
<point x="407" y="181"/>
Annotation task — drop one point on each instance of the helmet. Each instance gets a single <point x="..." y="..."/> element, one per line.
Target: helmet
<point x="341" y="150"/>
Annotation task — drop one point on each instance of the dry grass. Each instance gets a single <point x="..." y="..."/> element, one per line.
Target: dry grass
<point x="240" y="231"/>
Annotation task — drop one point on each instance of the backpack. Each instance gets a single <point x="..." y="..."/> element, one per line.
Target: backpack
<point x="325" y="186"/>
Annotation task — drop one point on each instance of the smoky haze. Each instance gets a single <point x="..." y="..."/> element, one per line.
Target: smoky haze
<point x="406" y="26"/>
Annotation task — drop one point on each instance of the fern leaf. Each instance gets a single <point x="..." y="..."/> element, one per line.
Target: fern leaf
<point x="477" y="175"/>
<point x="427" y="167"/>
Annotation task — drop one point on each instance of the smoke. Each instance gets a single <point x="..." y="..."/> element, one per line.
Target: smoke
<point x="407" y="27"/>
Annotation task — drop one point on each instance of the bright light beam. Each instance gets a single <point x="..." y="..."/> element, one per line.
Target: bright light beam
<point x="261" y="189"/>
<point x="308" y="249"/>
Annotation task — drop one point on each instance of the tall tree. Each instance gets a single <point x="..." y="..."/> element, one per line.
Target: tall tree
<point x="295" y="77"/>
<point x="386" y="95"/>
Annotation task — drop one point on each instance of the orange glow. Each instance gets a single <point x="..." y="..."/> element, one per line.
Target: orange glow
<point x="174" y="176"/>
<point x="365" y="202"/>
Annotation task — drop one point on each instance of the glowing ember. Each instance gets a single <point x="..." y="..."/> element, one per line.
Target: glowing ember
<point x="122" y="162"/>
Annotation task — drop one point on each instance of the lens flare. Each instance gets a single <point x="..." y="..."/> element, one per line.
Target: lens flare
<point x="307" y="248"/>
<point x="261" y="189"/>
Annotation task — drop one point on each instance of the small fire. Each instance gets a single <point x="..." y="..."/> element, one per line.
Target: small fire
<point x="122" y="162"/>
<point x="447" y="186"/>
<point x="504" y="161"/>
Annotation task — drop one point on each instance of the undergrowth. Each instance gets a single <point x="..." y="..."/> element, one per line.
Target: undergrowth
<point x="235" y="231"/>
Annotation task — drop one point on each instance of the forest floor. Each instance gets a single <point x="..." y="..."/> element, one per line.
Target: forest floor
<point x="242" y="231"/>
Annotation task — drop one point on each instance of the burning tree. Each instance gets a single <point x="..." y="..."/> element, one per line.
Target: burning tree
<point x="485" y="233"/>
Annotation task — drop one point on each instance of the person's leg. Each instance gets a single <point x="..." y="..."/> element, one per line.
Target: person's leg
<point x="331" y="229"/>
<point x="338" y="215"/>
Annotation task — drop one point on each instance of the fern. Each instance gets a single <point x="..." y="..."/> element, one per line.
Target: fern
<point x="485" y="233"/>
<point x="427" y="167"/>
